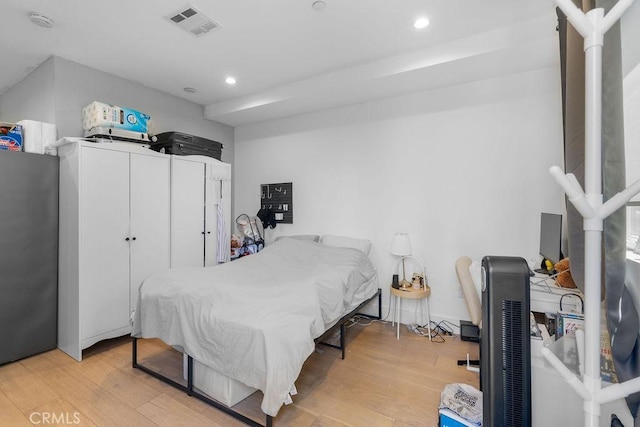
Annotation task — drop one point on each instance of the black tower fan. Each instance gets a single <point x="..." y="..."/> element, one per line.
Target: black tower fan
<point x="505" y="347"/>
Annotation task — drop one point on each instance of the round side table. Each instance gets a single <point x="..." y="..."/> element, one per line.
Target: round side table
<point x="410" y="293"/>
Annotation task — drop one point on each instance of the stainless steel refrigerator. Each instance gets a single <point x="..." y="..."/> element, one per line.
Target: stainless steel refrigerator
<point x="28" y="254"/>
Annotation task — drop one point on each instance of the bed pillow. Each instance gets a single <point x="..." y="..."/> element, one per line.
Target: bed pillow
<point x="347" y="242"/>
<point x="312" y="237"/>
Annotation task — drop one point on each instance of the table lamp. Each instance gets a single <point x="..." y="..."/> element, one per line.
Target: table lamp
<point x="401" y="246"/>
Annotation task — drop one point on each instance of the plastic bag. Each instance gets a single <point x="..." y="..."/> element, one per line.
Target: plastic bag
<point x="464" y="400"/>
<point x="251" y="231"/>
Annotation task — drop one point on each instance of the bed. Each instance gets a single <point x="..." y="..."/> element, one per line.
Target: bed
<point x="257" y="319"/>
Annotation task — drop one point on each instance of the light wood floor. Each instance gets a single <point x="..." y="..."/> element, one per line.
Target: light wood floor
<point x="382" y="382"/>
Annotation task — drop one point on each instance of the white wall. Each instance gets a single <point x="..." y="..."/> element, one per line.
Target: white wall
<point x="629" y="33"/>
<point x="33" y="98"/>
<point x="463" y="170"/>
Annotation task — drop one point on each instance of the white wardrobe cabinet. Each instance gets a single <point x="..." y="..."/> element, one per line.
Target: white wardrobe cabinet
<point x="114" y="232"/>
<point x="198" y="185"/>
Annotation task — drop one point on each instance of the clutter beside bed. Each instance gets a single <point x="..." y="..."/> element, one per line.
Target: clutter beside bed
<point x="250" y="239"/>
<point x="251" y="230"/>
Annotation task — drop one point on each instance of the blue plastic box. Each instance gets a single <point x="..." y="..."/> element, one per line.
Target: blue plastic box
<point x="451" y="419"/>
<point x="10" y="137"/>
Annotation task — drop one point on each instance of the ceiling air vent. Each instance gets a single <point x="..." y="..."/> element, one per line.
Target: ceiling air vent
<point x="192" y="20"/>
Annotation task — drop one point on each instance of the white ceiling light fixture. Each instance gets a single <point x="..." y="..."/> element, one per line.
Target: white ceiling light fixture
<point x="318" y="5"/>
<point x="192" y="20"/>
<point x="421" y="23"/>
<point x="41" y="20"/>
<point x="230" y="80"/>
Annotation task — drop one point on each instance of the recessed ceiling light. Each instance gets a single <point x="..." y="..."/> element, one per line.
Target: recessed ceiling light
<point x="318" y="5"/>
<point x="230" y="80"/>
<point x="189" y="90"/>
<point x="421" y="23"/>
<point x="41" y="20"/>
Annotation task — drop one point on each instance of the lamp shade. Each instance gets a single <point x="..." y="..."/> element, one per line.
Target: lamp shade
<point x="400" y="245"/>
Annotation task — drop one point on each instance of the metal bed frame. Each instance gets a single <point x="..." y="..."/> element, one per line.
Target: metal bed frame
<point x="189" y="388"/>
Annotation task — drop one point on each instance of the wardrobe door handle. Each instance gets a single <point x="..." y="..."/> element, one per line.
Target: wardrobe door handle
<point x="208" y="232"/>
<point x="134" y="238"/>
<point x="127" y="239"/>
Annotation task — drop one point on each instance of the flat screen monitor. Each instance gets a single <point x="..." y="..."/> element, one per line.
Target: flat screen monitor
<point x="551" y="236"/>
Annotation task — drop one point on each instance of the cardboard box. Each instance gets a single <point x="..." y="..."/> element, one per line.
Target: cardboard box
<point x="567" y="323"/>
<point x="10" y="137"/>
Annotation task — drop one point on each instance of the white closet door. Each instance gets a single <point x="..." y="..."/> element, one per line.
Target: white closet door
<point x="149" y="215"/>
<point x="187" y="213"/>
<point x="104" y="250"/>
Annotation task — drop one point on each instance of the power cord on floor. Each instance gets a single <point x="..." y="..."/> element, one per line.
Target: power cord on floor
<point x="361" y="320"/>
<point x="422" y="331"/>
<point x="438" y="332"/>
<point x="366" y="321"/>
<point x="441" y="329"/>
<point x="446" y="327"/>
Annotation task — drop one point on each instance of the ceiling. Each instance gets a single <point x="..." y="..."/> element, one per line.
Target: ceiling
<point x="287" y="57"/>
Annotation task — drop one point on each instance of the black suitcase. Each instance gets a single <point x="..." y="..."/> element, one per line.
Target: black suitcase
<point x="186" y="145"/>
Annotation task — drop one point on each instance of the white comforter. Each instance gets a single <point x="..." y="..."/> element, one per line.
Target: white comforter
<point x="255" y="319"/>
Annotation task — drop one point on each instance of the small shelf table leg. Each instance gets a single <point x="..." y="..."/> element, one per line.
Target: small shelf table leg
<point x="426" y="303"/>
<point x="392" y="301"/>
<point x="398" y="307"/>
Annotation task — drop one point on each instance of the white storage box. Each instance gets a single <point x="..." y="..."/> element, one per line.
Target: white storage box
<point x="220" y="387"/>
<point x="39" y="137"/>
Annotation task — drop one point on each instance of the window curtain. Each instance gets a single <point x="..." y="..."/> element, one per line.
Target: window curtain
<point x="620" y="312"/>
<point x="573" y="98"/>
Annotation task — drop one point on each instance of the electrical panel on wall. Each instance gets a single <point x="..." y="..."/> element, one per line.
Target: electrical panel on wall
<point x="279" y="199"/>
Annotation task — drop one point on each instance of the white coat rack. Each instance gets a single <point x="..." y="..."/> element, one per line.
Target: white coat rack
<point x="592" y="26"/>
